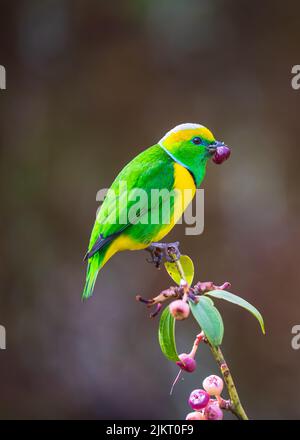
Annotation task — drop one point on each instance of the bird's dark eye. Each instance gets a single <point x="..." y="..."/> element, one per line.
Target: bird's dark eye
<point x="197" y="140"/>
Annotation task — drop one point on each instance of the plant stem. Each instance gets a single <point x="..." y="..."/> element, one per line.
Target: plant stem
<point x="236" y="406"/>
<point x="179" y="267"/>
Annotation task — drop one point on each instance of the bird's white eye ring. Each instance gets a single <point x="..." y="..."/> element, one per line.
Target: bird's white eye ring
<point x="197" y="140"/>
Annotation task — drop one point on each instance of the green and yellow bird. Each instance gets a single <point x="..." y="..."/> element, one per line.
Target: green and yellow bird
<point x="177" y="163"/>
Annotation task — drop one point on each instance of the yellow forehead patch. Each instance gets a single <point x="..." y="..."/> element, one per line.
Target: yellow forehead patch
<point x="176" y="136"/>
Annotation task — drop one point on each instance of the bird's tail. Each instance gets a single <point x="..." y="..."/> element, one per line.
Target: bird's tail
<point x="94" y="265"/>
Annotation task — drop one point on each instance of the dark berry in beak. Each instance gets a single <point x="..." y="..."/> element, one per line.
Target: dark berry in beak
<point x="222" y="153"/>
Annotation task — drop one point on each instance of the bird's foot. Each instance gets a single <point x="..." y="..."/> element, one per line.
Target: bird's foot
<point x="158" y="251"/>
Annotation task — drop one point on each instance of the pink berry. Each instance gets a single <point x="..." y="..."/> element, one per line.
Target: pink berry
<point x="186" y="363"/>
<point x="198" y="399"/>
<point x="213" y="411"/>
<point x="213" y="385"/>
<point x="179" y="309"/>
<point x="222" y="153"/>
<point x="196" y="415"/>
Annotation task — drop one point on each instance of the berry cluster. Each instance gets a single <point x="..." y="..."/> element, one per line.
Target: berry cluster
<point x="207" y="403"/>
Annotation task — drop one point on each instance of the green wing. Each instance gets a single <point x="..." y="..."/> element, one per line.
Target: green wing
<point x="152" y="169"/>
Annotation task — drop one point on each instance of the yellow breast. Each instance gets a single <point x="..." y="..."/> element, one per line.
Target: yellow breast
<point x="185" y="186"/>
<point x="185" y="189"/>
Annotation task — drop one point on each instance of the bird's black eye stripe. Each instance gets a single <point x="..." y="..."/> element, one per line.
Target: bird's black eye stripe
<point x="197" y="141"/>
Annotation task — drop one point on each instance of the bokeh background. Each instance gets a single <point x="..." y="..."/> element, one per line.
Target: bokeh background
<point x="89" y="85"/>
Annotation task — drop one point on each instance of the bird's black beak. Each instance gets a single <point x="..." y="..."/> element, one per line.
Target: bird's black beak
<point x="213" y="147"/>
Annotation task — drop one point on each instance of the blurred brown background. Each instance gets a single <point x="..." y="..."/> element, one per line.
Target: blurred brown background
<point x="89" y="85"/>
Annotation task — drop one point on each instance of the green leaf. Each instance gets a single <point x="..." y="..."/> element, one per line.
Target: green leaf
<point x="222" y="294"/>
<point x="209" y="319"/>
<point x="187" y="267"/>
<point x="166" y="335"/>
